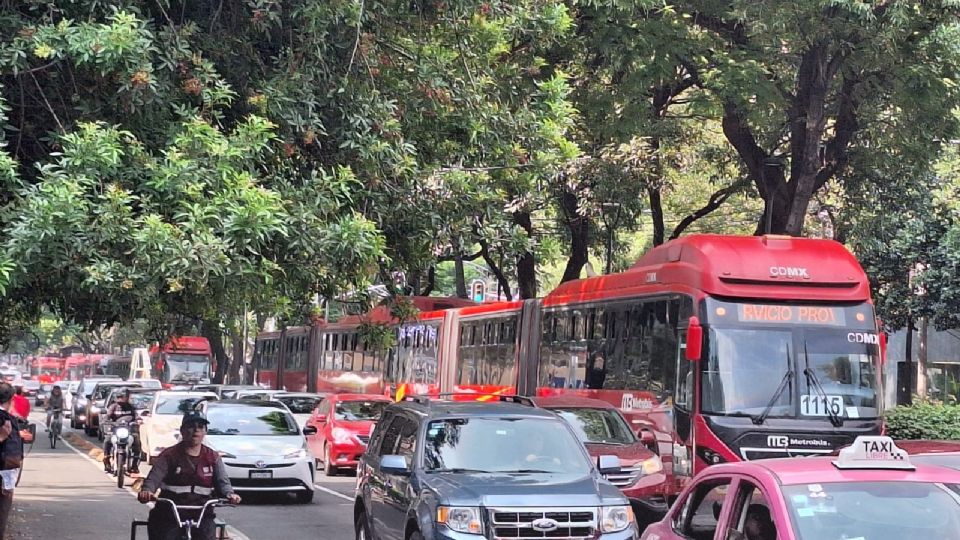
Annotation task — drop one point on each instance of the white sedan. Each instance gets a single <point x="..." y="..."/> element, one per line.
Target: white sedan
<point x="262" y="447"/>
<point x="161" y="422"/>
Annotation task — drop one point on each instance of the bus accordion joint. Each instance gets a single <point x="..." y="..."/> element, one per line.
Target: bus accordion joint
<point x="694" y="340"/>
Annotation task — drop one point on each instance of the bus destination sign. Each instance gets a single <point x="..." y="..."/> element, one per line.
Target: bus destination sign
<point x="779" y="314"/>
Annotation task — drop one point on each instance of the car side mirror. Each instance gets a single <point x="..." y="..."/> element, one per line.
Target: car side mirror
<point x="608" y="464"/>
<point x="394" y="464"/>
<point x="310" y="430"/>
<point x="321" y="418"/>
<point x="648" y="438"/>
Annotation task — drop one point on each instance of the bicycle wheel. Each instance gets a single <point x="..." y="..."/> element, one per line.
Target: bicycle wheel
<point x="53" y="438"/>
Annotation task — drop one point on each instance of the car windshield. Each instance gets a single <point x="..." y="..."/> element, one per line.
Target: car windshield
<point x="299" y="404"/>
<point x="357" y="411"/>
<point x="250" y="421"/>
<point x="104" y="391"/>
<point x="602" y="426"/>
<point x="503" y="445"/>
<point x="821" y="371"/>
<point x="874" y="510"/>
<point x="178" y="404"/>
<point x="153" y="384"/>
<point x="184" y="367"/>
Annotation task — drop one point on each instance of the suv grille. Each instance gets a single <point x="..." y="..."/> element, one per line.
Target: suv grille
<point x="518" y="522"/>
<point x="626" y="477"/>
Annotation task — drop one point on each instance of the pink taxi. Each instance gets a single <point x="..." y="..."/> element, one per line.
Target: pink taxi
<point x="871" y="491"/>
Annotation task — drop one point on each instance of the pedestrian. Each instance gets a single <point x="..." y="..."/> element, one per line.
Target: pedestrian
<point x="21" y="405"/>
<point x="188" y="473"/>
<point x="11" y="454"/>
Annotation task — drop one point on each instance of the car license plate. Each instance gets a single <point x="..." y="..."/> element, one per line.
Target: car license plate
<point x="261" y="474"/>
<point x="813" y="405"/>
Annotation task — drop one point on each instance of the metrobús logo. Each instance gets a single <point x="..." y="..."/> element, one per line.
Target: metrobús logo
<point x="789" y="272"/>
<point x="785" y="441"/>
<point x="863" y="337"/>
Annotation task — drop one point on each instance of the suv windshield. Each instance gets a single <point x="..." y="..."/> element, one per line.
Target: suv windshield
<point x="183" y="367"/>
<point x="601" y="426"/>
<point x="357" y="411"/>
<point x="874" y="510"/>
<point x="505" y="445"/>
<point x="250" y="421"/>
<point x="823" y="371"/>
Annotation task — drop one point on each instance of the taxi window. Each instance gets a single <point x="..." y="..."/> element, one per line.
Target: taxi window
<point x="751" y="518"/>
<point x="874" y="510"/>
<point x="701" y="511"/>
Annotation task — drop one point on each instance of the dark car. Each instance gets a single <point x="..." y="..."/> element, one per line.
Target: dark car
<point x="453" y="470"/>
<point x="82" y="396"/>
<point x="97" y="403"/>
<point x="603" y="430"/>
<point x="140" y="398"/>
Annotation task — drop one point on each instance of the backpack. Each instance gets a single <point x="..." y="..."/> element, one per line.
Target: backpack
<point x="11" y="450"/>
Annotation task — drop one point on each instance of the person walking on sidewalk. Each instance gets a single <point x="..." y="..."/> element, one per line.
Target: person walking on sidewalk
<point x="188" y="473"/>
<point x="11" y="453"/>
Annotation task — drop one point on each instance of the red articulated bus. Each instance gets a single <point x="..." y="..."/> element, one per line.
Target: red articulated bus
<point x="331" y="357"/>
<point x="182" y="359"/>
<point x="77" y="366"/>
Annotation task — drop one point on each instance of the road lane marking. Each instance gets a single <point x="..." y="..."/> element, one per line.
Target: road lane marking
<point x="332" y="492"/>
<point x="231" y="531"/>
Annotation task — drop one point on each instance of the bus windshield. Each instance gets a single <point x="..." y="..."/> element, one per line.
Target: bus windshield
<point x="184" y="367"/>
<point x="790" y="372"/>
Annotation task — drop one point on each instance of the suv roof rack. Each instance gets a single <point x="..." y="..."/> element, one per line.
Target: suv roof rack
<point x="502" y="398"/>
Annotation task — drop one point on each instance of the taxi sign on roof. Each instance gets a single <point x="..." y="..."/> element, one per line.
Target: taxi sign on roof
<point x="873" y="453"/>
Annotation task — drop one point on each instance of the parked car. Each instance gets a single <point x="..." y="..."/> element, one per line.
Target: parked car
<point x="82" y="396"/>
<point x="97" y="403"/>
<point x="458" y="470"/>
<point x="161" y="422"/>
<point x="301" y="405"/>
<point x="69" y="391"/>
<point x="43" y="393"/>
<point x="262" y="447"/>
<point x="140" y="398"/>
<point x="604" y="430"/>
<point x="872" y="489"/>
<point x="343" y="423"/>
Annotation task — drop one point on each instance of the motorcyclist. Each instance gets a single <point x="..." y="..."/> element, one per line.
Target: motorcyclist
<point x="189" y="473"/>
<point x="119" y="410"/>
<point x="54" y="401"/>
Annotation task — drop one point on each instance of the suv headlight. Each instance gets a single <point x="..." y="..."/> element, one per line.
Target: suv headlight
<point x="465" y="519"/>
<point x="615" y="518"/>
<point x="295" y="454"/>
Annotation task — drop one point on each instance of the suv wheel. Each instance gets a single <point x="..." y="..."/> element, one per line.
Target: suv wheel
<point x="361" y="527"/>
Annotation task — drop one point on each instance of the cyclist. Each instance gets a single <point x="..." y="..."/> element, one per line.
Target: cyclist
<point x="54" y="401"/>
<point x="188" y="473"/>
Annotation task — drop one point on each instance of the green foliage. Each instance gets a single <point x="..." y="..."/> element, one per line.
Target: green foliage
<point x="924" y="420"/>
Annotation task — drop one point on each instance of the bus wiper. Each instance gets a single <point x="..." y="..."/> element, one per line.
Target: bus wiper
<point x="812" y="376"/>
<point x="762" y="417"/>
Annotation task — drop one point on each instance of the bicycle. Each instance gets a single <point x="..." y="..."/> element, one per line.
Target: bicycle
<point x="56" y="427"/>
<point x="186" y="525"/>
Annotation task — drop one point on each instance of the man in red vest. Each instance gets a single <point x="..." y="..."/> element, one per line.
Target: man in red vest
<point x="188" y="473"/>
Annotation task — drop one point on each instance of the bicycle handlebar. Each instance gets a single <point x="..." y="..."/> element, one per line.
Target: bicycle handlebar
<point x="212" y="503"/>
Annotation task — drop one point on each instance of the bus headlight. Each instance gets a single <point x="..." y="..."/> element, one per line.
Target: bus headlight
<point x="615" y="518"/>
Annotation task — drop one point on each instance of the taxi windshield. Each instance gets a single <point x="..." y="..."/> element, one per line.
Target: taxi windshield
<point x="874" y="510"/>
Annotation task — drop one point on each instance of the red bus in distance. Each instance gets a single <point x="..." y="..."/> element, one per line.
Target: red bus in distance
<point x="182" y="359"/>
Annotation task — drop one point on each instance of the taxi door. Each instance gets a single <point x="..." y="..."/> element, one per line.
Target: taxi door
<point x="755" y="511"/>
<point x="699" y="513"/>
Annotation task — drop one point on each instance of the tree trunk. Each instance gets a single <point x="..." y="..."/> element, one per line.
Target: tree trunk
<point x="502" y="282"/>
<point x="527" y="262"/>
<point x="579" y="227"/>
<point x="237" y="338"/>
<point x="656" y="215"/>
<point x="922" y="360"/>
<point x="431" y="281"/>
<point x="458" y="275"/>
<point x="908" y="369"/>
<point x="211" y="330"/>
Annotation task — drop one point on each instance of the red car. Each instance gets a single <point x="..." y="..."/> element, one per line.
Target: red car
<point x="344" y="423"/>
<point x="604" y="431"/>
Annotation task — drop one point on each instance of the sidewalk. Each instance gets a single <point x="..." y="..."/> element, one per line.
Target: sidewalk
<point x="63" y="494"/>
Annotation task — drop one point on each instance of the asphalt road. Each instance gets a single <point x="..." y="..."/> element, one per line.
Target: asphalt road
<point x="64" y="493"/>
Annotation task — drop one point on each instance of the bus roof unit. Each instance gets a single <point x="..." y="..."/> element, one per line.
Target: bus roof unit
<point x="775" y="267"/>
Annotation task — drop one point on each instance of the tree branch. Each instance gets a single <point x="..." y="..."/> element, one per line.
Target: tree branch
<point x="737" y="131"/>
<point x="47" y="102"/>
<point x="497" y="271"/>
<point x="716" y="200"/>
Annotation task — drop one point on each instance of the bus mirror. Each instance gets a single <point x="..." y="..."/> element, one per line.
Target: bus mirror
<point x="694" y="339"/>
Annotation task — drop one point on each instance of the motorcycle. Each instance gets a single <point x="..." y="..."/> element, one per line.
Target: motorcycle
<point x="126" y="452"/>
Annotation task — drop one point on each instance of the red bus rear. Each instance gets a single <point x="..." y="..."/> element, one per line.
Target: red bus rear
<point x="182" y="359"/>
<point x="47" y="369"/>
